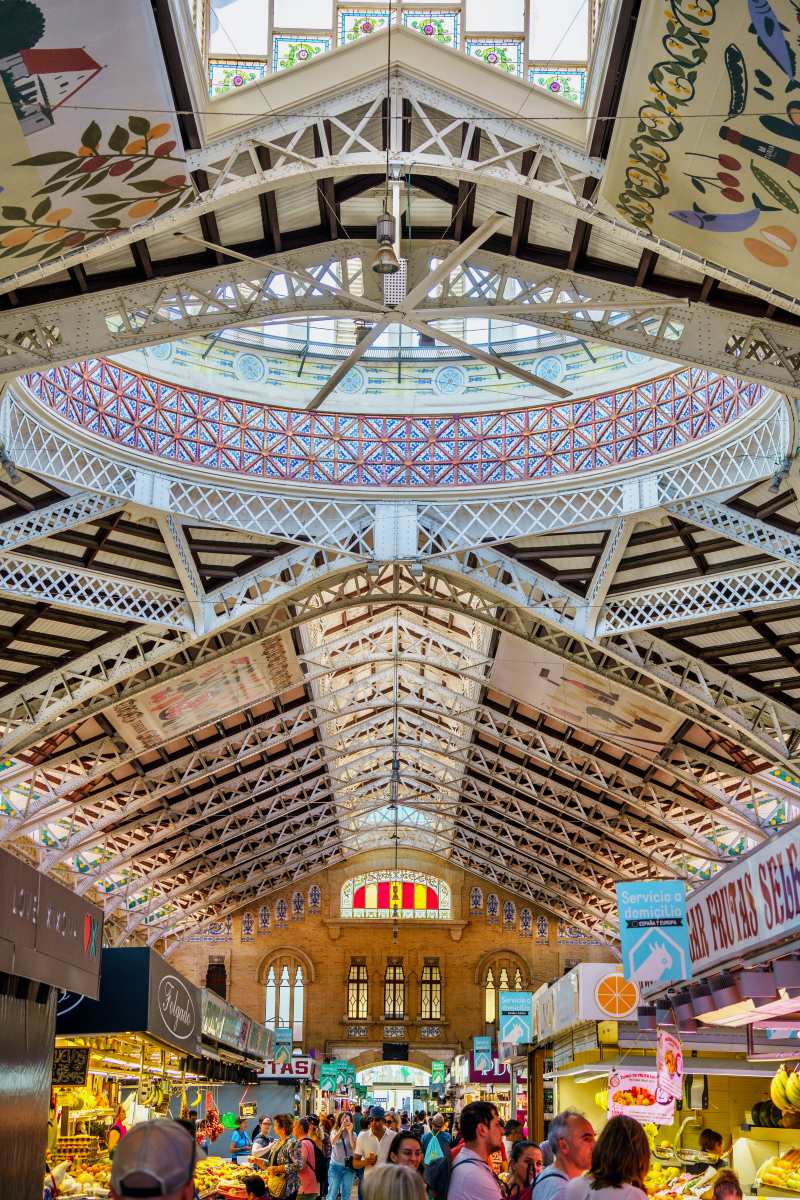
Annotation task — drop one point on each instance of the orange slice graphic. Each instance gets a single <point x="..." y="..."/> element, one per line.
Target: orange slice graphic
<point x="616" y="996"/>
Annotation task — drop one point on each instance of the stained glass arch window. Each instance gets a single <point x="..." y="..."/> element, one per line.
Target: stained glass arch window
<point x="396" y="895"/>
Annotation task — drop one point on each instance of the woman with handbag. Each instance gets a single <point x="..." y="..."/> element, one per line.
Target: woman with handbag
<point x="285" y="1160"/>
<point x="340" y="1172"/>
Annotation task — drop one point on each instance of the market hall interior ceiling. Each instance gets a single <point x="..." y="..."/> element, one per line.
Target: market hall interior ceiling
<point x="493" y="555"/>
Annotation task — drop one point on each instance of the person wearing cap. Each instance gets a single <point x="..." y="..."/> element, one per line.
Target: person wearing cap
<point x="155" y="1159"/>
<point x="372" y="1145"/>
<point x="437" y="1130"/>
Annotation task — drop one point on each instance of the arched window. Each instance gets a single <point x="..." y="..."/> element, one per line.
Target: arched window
<point x="358" y="990"/>
<point x="430" y="1008"/>
<point x="394" y="990"/>
<point x="500" y="972"/>
<point x="284" y="995"/>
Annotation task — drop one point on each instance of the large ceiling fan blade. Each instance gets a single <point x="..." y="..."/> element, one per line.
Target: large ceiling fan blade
<point x="355" y="354"/>
<point x="494" y="360"/>
<point x="266" y="264"/>
<point x="453" y="260"/>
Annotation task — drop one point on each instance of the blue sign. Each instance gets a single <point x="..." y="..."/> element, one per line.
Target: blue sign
<point x="654" y="931"/>
<point x="282" y="1046"/>
<point x="515" y="1024"/>
<point x="482" y="1053"/>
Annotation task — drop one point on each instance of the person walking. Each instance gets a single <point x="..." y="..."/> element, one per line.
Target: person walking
<point x="372" y="1145"/>
<point x="437" y="1130"/>
<point x="393" y="1182"/>
<point x="524" y="1163"/>
<point x="285" y="1159"/>
<point x="571" y="1140"/>
<point x="406" y="1150"/>
<point x="156" y="1159"/>
<point x="309" y="1185"/>
<point x="620" y="1161"/>
<point x="340" y="1171"/>
<point x="470" y="1176"/>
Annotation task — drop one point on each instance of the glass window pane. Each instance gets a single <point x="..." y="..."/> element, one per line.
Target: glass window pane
<point x="501" y="16"/>
<point x="285" y="999"/>
<point x="559" y="32"/>
<point x="311" y="14"/>
<point x="238" y="27"/>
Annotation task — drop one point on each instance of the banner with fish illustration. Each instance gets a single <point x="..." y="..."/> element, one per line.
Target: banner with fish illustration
<point x="90" y="141"/>
<point x="706" y="148"/>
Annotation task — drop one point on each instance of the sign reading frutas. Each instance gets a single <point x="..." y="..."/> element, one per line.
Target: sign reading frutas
<point x="636" y="1094"/>
<point x="653" y="930"/>
<point x="305" y="1070"/>
<point x="751" y="903"/>
<point x="515" y="1026"/>
<point x="669" y="1065"/>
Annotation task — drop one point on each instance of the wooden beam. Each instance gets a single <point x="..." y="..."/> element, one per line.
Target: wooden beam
<point x="647" y="263"/>
<point x="464" y="207"/>
<point x="79" y="278"/>
<point x="142" y="259"/>
<point x="329" y="215"/>
<point x="522" y="212"/>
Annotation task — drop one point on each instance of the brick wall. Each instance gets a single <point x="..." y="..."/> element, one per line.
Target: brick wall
<point x="324" y="944"/>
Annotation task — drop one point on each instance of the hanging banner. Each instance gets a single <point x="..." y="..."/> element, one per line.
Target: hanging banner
<point x="515" y="1022"/>
<point x="753" y="902"/>
<point x="653" y="931"/>
<point x="482" y="1053"/>
<point x="233" y="681"/>
<point x="336" y="1076"/>
<point x="89" y="137"/>
<point x="706" y="140"/>
<point x="669" y="1065"/>
<point x="438" y="1074"/>
<point x="282" y="1051"/>
<point x="636" y="1094"/>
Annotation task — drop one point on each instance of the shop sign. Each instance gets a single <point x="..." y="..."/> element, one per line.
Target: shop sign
<point x="248" y="1109"/>
<point x="636" y="1094"/>
<point x="515" y="1025"/>
<point x="496" y="1072"/>
<point x="589" y="992"/>
<point x="482" y="1053"/>
<point x="50" y="935"/>
<point x="336" y="1076"/>
<point x="174" y="1007"/>
<point x="304" y="1070"/>
<point x="70" y="1066"/>
<point x="438" y="1074"/>
<point x="213" y="1016"/>
<point x="282" y="1051"/>
<point x="258" y="1044"/>
<point x="751" y="903"/>
<point x="669" y="1065"/>
<point x="653" y="931"/>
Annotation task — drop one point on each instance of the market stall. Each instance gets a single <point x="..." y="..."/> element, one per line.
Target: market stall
<point x="51" y="941"/>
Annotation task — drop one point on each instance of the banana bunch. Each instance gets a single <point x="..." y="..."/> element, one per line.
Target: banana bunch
<point x="154" y="1095"/>
<point x="601" y="1099"/>
<point x="784" y="1090"/>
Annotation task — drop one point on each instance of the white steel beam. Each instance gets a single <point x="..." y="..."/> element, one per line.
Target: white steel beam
<point x="185" y="568"/>
<point x="72" y="511"/>
<point x="615" y="546"/>
<point x="747" y="531"/>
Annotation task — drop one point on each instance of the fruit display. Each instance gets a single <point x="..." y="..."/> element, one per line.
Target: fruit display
<point x="767" y="1115"/>
<point x="636" y="1095"/>
<point x="82" y="1182"/>
<point x="784" y="1090"/>
<point x="783" y="1173"/>
<point x="220" y="1175"/>
<point x="659" y="1178"/>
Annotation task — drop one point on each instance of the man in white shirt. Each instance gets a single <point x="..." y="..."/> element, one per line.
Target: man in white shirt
<point x="471" y="1177"/>
<point x="571" y="1139"/>
<point x="372" y="1145"/>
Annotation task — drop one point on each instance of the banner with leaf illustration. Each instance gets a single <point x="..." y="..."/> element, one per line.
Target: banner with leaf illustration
<point x="90" y="141"/>
<point x="706" y="147"/>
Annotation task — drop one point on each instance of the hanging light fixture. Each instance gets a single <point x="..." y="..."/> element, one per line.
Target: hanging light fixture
<point x="385" y="262"/>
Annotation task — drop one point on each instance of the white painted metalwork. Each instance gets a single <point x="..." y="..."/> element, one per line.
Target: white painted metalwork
<point x="721" y="518"/>
<point x="56" y="518"/>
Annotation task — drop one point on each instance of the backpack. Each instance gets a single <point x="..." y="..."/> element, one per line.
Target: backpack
<point x="439" y="1173"/>
<point x="320" y="1165"/>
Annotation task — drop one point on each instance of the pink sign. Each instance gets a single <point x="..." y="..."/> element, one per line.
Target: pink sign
<point x="498" y="1073"/>
<point x="636" y="1094"/>
<point x="669" y="1065"/>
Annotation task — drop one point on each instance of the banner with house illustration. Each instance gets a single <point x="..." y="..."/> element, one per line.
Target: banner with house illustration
<point x="90" y="141"/>
<point x="706" y="146"/>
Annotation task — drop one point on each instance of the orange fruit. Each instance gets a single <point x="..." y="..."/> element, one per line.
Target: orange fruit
<point x="616" y="995"/>
<point x="54" y="235"/>
<point x="58" y="214"/>
<point x="142" y="208"/>
<point x="159" y="130"/>
<point x="134" y="147"/>
<point x="769" y="255"/>
<point x="18" y="237"/>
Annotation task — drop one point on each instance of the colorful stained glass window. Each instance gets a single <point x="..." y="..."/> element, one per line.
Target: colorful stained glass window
<point x="505" y="53"/>
<point x="355" y="23"/>
<point x="436" y="24"/>
<point x="396" y="894"/>
<point x="225" y="76"/>
<point x="294" y="49"/>
<point x="568" y="84"/>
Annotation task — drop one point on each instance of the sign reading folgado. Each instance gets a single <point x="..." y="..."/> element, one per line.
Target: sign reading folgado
<point x="233" y="681"/>
<point x="751" y="903"/>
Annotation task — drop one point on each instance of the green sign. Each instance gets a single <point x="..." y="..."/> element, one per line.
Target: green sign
<point x="337" y="1075"/>
<point x="438" y="1074"/>
<point x="282" y="1052"/>
<point x="361" y="1091"/>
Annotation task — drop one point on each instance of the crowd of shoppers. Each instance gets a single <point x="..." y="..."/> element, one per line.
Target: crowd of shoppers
<point x="391" y="1158"/>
